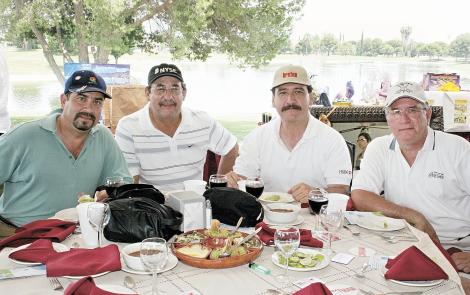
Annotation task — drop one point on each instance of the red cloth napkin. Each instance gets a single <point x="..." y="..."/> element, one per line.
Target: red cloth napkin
<point x="86" y="286"/>
<point x="413" y="265"/>
<point x="83" y="262"/>
<point x="54" y="229"/>
<point x="314" y="289"/>
<point x="267" y="236"/>
<point x="38" y="251"/>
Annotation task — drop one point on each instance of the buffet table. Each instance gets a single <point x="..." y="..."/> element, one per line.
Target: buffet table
<point x="184" y="279"/>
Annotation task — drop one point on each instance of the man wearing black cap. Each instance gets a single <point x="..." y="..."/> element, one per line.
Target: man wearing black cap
<point x="46" y="163"/>
<point x="165" y="144"/>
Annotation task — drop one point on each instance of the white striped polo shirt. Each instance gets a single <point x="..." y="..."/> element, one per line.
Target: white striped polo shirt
<point x="165" y="161"/>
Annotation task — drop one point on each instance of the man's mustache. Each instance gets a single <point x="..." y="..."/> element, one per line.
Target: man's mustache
<point x="167" y="102"/>
<point x="85" y="114"/>
<point x="291" y="106"/>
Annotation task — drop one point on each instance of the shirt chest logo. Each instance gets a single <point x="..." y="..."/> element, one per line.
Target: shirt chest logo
<point x="436" y="175"/>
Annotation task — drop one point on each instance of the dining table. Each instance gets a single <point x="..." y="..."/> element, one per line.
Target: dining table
<point x="348" y="277"/>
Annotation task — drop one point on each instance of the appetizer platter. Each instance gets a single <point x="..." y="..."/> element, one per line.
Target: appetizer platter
<point x="216" y="247"/>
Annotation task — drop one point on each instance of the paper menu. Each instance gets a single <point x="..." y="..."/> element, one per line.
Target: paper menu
<point x="21" y="272"/>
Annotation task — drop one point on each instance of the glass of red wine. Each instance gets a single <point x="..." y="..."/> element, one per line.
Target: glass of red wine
<point x="218" y="180"/>
<point x="254" y="186"/>
<point x="317" y="197"/>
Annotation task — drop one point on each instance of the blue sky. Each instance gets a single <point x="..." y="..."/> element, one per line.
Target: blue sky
<point x="431" y="20"/>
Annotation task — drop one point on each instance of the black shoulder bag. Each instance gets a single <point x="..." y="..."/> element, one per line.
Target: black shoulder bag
<point x="138" y="212"/>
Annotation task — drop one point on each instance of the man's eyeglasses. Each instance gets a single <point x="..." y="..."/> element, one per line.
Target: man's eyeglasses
<point x="83" y="99"/>
<point x="173" y="90"/>
<point x="398" y="112"/>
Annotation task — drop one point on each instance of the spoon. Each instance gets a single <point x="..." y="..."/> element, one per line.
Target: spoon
<point x="239" y="222"/>
<point x="129" y="282"/>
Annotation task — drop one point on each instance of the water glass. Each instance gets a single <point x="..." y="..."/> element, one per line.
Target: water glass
<point x="287" y="240"/>
<point x="332" y="221"/>
<point x="114" y="181"/>
<point x="154" y="254"/>
<point x="98" y="215"/>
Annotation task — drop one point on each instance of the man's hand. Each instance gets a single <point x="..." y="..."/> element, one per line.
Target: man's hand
<point x="420" y="222"/>
<point x="101" y="196"/>
<point x="300" y="192"/>
<point x="462" y="260"/>
<point x="233" y="179"/>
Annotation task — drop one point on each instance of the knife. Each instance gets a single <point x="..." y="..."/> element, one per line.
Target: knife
<point x="248" y="237"/>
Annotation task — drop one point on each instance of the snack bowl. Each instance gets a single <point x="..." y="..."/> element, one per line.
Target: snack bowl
<point x="282" y="212"/>
<point x="132" y="261"/>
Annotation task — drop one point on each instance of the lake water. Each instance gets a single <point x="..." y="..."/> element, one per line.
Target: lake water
<point x="228" y="92"/>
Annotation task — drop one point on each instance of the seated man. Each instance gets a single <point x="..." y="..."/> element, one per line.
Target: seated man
<point x="423" y="172"/>
<point x="46" y="163"/>
<point x="294" y="152"/>
<point x="165" y="144"/>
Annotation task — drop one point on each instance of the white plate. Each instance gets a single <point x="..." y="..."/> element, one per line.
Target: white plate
<point x="170" y="264"/>
<point x="377" y="223"/>
<point x="57" y="246"/>
<point x="93" y="276"/>
<point x="284" y="198"/>
<point x="412" y="283"/>
<point x="298" y="221"/>
<point x="69" y="214"/>
<point x="323" y="264"/>
<point x="115" y="289"/>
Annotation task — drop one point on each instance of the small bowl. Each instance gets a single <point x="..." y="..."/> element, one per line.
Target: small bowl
<point x="133" y="262"/>
<point x="283" y="212"/>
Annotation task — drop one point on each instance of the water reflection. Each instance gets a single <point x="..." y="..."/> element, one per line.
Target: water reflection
<point x="226" y="90"/>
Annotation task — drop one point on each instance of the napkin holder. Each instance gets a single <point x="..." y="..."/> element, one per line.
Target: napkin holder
<point x="192" y="205"/>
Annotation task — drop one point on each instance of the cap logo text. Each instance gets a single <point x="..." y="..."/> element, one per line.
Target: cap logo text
<point x="289" y="75"/>
<point x="165" y="70"/>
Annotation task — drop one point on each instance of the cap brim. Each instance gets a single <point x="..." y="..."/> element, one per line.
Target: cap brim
<point x="274" y="86"/>
<point x="166" y="74"/>
<point x="90" y="89"/>
<point x="406" y="96"/>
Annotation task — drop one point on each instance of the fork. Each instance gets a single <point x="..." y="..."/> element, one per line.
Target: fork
<point x="391" y="292"/>
<point x="55" y="284"/>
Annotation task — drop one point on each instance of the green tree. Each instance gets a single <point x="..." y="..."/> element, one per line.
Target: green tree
<point x="328" y="43"/>
<point x="460" y="47"/>
<point x="308" y="44"/>
<point x="396" y="45"/>
<point x="347" y="48"/>
<point x="249" y="32"/>
<point x="372" y="47"/>
<point x="405" y="32"/>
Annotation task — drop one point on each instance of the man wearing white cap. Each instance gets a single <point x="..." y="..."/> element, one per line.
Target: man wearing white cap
<point x="294" y="152"/>
<point x="423" y="172"/>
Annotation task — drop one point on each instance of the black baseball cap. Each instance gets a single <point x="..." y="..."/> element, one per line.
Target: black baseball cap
<point x="85" y="81"/>
<point x="162" y="70"/>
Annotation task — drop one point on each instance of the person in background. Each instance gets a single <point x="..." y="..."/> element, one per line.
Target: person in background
<point x="349" y="90"/>
<point x="423" y="172"/>
<point x="363" y="140"/>
<point x="164" y="143"/>
<point x="4" y="89"/>
<point x="294" y="152"/>
<point x="46" y="163"/>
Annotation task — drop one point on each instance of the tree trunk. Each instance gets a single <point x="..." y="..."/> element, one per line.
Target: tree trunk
<point x="81" y="29"/>
<point x="47" y="53"/>
<point x="101" y="55"/>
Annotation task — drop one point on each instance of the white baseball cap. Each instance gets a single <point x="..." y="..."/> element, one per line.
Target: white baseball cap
<point x="291" y="74"/>
<point x="405" y="89"/>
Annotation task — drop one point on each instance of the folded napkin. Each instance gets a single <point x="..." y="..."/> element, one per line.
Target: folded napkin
<point x="86" y="286"/>
<point x="267" y="236"/>
<point x="54" y="229"/>
<point x="38" y="251"/>
<point x="314" y="289"/>
<point x="413" y="265"/>
<point x="83" y="262"/>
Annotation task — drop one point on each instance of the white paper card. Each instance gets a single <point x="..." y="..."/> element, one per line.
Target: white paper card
<point x="305" y="282"/>
<point x="343" y="258"/>
<point x="36" y="270"/>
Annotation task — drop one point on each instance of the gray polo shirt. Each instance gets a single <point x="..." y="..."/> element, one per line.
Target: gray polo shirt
<point x="42" y="177"/>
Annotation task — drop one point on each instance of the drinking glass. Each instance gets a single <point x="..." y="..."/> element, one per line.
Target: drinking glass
<point x="287" y="240"/>
<point x="218" y="180"/>
<point x="98" y="215"/>
<point x="114" y="181"/>
<point x="154" y="254"/>
<point x="254" y="186"/>
<point x="317" y="197"/>
<point x="332" y="220"/>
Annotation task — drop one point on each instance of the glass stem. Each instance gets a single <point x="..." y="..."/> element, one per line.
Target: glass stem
<point x="154" y="283"/>
<point x="99" y="237"/>
<point x="287" y="266"/>
<point x="330" y="235"/>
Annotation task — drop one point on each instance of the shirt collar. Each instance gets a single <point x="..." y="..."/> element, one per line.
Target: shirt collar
<point x="310" y="130"/>
<point x="429" y="143"/>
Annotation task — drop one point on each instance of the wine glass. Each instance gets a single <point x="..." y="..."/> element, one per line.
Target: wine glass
<point x="154" y="254"/>
<point x="98" y="215"/>
<point x="317" y="197"/>
<point x="254" y="186"/>
<point x="287" y="240"/>
<point x="112" y="182"/>
<point x="218" y="180"/>
<point x="332" y="220"/>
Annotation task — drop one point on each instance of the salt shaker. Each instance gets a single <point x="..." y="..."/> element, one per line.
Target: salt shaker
<point x="208" y="214"/>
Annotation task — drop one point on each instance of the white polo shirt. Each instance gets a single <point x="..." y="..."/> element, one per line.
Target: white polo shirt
<point x="437" y="185"/>
<point x="165" y="161"/>
<point x="321" y="157"/>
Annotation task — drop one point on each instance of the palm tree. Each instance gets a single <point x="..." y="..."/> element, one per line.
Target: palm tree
<point x="405" y="38"/>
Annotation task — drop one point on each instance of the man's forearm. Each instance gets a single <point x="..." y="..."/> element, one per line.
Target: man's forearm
<point x="227" y="161"/>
